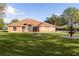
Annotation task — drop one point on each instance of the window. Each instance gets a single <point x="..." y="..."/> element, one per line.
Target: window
<point x="50" y="28"/>
<point x="14" y="28"/>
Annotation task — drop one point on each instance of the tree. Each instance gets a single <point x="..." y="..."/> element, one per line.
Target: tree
<point x="14" y="20"/>
<point x="71" y="14"/>
<point x="2" y="14"/>
<point x="1" y="23"/>
<point x="2" y="9"/>
<point x="51" y="19"/>
<point x="56" y="20"/>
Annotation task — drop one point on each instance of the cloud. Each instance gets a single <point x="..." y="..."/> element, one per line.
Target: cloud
<point x="21" y="13"/>
<point x="9" y="10"/>
<point x="57" y="14"/>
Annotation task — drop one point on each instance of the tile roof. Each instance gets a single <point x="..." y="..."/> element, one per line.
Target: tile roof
<point x="45" y="24"/>
<point x="25" y="21"/>
<point x="30" y="21"/>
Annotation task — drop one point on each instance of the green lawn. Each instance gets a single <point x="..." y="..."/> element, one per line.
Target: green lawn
<point x="47" y="44"/>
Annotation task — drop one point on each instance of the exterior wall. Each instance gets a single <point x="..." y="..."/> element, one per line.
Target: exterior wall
<point x="41" y="29"/>
<point x="25" y="29"/>
<point x="46" y="29"/>
<point x="18" y="29"/>
<point x="10" y="29"/>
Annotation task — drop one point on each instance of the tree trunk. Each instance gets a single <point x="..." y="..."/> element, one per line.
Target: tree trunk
<point x="71" y="34"/>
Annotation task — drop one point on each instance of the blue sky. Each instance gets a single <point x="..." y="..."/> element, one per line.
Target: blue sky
<point x="37" y="11"/>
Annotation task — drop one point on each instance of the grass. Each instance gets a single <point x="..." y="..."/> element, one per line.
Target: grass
<point x="47" y="44"/>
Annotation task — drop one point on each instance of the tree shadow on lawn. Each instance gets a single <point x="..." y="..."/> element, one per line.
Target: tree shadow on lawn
<point x="44" y="45"/>
<point x="30" y="48"/>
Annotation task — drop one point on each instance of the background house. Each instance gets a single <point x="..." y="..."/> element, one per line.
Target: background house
<point x="30" y="25"/>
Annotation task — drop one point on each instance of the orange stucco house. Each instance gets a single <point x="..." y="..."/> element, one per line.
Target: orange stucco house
<point x="30" y="25"/>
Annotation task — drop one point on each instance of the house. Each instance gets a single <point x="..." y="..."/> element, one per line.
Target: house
<point x="30" y="25"/>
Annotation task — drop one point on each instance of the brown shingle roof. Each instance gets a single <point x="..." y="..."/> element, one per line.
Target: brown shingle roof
<point x="30" y="21"/>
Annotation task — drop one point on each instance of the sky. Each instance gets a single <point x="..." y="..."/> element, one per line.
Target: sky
<point x="37" y="11"/>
